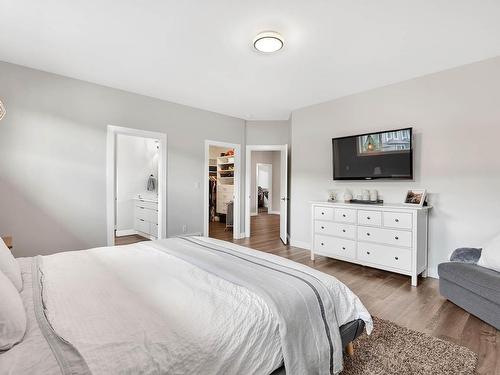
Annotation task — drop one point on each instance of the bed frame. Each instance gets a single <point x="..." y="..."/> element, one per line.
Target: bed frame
<point x="348" y="333"/>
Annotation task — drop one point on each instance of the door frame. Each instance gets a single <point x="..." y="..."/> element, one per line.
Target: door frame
<point x="237" y="185"/>
<point x="248" y="176"/>
<point x="270" y="192"/>
<point x="112" y="133"/>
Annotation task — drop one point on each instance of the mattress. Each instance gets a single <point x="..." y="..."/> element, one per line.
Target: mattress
<point x="246" y="346"/>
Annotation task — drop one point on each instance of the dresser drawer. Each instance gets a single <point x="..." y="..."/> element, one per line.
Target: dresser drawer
<point x="225" y="197"/>
<point x="345" y="215"/>
<point x="153" y="230"/>
<point x="385" y="236"/>
<point x="323" y="213"/>
<point x="142" y="225"/>
<point x="146" y="214"/>
<point x="225" y="188"/>
<point x="331" y="246"/>
<point x="335" y="229"/>
<point x="397" y="220"/>
<point x="222" y="205"/>
<point x="146" y="204"/>
<point x="385" y="256"/>
<point x="370" y="218"/>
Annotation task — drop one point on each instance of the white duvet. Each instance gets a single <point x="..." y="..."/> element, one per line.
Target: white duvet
<point x="135" y="309"/>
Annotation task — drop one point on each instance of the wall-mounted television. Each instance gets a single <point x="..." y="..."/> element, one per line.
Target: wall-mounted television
<point x="381" y="155"/>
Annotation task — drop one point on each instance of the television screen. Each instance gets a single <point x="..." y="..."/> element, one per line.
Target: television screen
<point x="386" y="154"/>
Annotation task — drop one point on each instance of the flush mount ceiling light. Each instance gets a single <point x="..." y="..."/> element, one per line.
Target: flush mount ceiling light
<point x="268" y="42"/>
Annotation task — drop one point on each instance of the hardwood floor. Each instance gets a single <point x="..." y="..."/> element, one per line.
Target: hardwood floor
<point x="387" y="295"/>
<point x="127" y="240"/>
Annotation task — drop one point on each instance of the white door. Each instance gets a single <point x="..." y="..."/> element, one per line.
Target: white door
<point x="284" y="194"/>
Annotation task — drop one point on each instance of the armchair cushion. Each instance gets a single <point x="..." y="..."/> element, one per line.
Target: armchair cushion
<point x="466" y="255"/>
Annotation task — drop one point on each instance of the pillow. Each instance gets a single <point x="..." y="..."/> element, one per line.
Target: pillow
<point x="10" y="267"/>
<point x="490" y="256"/>
<point x="12" y="314"/>
<point x="466" y="255"/>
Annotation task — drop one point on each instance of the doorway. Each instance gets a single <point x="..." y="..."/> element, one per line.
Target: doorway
<point x="266" y="186"/>
<point x="136" y="185"/>
<point x="222" y="190"/>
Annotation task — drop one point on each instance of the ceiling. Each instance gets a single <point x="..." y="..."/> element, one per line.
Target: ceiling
<point x="199" y="53"/>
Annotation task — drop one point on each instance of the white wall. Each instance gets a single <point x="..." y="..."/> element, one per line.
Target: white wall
<point x="456" y="119"/>
<point x="265" y="157"/>
<point x="136" y="160"/>
<point x="53" y="157"/>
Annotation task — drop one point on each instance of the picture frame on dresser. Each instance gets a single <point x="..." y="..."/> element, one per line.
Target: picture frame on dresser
<point x="391" y="237"/>
<point x="415" y="197"/>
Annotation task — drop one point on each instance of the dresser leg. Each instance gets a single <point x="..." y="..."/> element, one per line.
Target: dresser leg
<point x="312" y="256"/>
<point x="414" y="279"/>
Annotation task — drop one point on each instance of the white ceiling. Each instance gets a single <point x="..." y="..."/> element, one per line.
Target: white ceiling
<point x="199" y="53"/>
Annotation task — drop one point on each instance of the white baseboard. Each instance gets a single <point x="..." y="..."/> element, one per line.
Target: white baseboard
<point x="254" y="214"/>
<point x="199" y="234"/>
<point x="125" y="232"/>
<point x="432" y="272"/>
<point x="240" y="236"/>
<point x="301" y="244"/>
<point x="273" y="212"/>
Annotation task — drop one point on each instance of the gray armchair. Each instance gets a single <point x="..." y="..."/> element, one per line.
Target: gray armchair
<point x="474" y="288"/>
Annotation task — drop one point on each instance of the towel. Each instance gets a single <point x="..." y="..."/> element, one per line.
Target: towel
<point x="151" y="183"/>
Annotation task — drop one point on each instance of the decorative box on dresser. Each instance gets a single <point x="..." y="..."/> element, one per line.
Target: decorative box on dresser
<point x="392" y="237"/>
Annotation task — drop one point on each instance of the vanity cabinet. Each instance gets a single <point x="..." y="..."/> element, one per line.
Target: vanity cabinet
<point x="146" y="218"/>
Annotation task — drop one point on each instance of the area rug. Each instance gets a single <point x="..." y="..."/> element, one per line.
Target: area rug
<point x="392" y="349"/>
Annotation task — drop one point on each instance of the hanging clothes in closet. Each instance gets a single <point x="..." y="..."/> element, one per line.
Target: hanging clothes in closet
<point x="212" y="196"/>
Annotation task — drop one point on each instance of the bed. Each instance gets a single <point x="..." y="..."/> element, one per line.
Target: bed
<point x="189" y="305"/>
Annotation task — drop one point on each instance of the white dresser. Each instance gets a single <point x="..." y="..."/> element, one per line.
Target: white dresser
<point x="146" y="218"/>
<point x="391" y="237"/>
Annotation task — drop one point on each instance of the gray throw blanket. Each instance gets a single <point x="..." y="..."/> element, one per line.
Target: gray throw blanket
<point x="302" y="304"/>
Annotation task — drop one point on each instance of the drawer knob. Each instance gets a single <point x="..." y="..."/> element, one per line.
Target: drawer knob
<point x="141" y="219"/>
<point x="322" y="227"/>
<point x="322" y="244"/>
<point x="396" y="238"/>
<point x="396" y="258"/>
<point x="343" y="230"/>
<point x="322" y="213"/>
<point x="343" y="215"/>
<point x="367" y="234"/>
<point x="343" y="247"/>
<point x="396" y="220"/>
<point x="368" y="217"/>
<point x="368" y="252"/>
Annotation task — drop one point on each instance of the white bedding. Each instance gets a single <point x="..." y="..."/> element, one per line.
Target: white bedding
<point x="135" y="309"/>
<point x="32" y="356"/>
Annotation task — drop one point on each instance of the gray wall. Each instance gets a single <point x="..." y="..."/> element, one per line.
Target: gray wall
<point x="268" y="132"/>
<point x="53" y="157"/>
<point x="456" y="119"/>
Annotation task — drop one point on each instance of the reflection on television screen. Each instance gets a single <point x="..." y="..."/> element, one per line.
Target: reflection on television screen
<point x="396" y="141"/>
